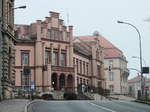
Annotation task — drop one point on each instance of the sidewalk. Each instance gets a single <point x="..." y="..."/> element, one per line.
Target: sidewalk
<point x="15" y="105"/>
<point x="144" y="102"/>
<point x="122" y="97"/>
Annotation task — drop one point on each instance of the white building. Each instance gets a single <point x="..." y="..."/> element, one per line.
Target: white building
<point x="134" y="86"/>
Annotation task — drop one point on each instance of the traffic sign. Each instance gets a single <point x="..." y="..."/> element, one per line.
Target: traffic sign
<point x="145" y="70"/>
<point x="146" y="88"/>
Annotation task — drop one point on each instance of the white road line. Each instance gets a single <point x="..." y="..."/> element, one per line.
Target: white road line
<point x="104" y="108"/>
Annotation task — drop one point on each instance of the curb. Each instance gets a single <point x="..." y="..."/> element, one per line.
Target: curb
<point x="148" y="103"/>
<point x="29" y="103"/>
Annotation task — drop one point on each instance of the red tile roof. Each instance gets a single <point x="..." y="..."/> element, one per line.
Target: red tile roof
<point x="110" y="50"/>
<point x="135" y="79"/>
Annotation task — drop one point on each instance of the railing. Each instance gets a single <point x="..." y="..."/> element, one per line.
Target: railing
<point x="64" y="69"/>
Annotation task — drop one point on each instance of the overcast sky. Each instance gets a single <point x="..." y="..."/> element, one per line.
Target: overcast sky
<point x="89" y="15"/>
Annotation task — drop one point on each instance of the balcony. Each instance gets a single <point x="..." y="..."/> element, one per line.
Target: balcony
<point x="63" y="69"/>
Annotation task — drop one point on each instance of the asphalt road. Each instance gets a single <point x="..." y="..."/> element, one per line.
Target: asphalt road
<point x="88" y="106"/>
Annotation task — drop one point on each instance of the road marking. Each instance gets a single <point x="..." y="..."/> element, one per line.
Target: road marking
<point x="104" y="108"/>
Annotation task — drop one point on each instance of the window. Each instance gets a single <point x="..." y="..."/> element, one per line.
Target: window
<point x="52" y="34"/>
<point x="111" y="76"/>
<point x="47" y="57"/>
<point x="111" y="87"/>
<point x="61" y="36"/>
<point x="77" y="66"/>
<point x="63" y="59"/>
<point x="25" y="79"/>
<point x="24" y="58"/>
<point x="55" y="58"/>
<point x="99" y="84"/>
<point x="56" y="35"/>
<point x="77" y="80"/>
<point x="83" y="81"/>
<point x="83" y="67"/>
<point x="97" y="54"/>
<point x="80" y="66"/>
<point x="87" y="68"/>
<point x="74" y="61"/>
<point x="80" y="80"/>
<point x="110" y="65"/>
<point x="99" y="71"/>
<point x="87" y="81"/>
<point x="49" y="34"/>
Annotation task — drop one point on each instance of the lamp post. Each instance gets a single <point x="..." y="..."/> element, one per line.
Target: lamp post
<point x="135" y="70"/>
<point x="20" y="7"/>
<point x="139" y="58"/>
<point x="140" y="47"/>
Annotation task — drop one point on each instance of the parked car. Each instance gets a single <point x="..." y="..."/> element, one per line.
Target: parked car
<point x="70" y="96"/>
<point x="46" y="95"/>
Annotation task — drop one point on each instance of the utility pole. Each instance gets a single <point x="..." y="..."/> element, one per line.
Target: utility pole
<point x="0" y="50"/>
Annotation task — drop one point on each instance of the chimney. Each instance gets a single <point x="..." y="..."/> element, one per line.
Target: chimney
<point x="47" y="19"/>
<point x="38" y="28"/>
<point x="54" y="14"/>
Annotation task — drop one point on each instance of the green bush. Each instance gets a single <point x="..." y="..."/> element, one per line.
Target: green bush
<point x="147" y="100"/>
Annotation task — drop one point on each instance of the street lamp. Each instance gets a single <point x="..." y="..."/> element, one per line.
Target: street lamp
<point x="140" y="47"/>
<point x="139" y="58"/>
<point x="20" y="7"/>
<point x="135" y="69"/>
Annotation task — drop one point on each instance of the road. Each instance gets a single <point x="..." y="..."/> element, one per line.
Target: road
<point x="88" y="106"/>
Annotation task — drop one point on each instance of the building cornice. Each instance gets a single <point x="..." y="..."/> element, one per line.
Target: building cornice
<point x="45" y="39"/>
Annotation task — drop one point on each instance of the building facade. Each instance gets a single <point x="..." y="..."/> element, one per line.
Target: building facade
<point x="134" y="87"/>
<point x="115" y="65"/>
<point x="7" y="49"/>
<point x="89" y="63"/>
<point x="46" y="55"/>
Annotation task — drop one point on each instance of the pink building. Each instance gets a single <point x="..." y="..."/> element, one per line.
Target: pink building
<point x="52" y="58"/>
<point x="115" y="65"/>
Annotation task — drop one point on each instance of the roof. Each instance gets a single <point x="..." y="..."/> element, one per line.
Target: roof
<point x="82" y="47"/>
<point x="110" y="50"/>
<point x="137" y="79"/>
<point x="78" y="47"/>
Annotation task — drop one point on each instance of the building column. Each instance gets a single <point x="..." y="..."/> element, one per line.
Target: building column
<point x="71" y="46"/>
<point x="75" y="77"/>
<point x="58" y="82"/>
<point x="51" y="46"/>
<point x="59" y="54"/>
<point x="66" y="81"/>
<point x="43" y="72"/>
<point x="67" y="56"/>
<point x="38" y="57"/>
<point x="49" y="73"/>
